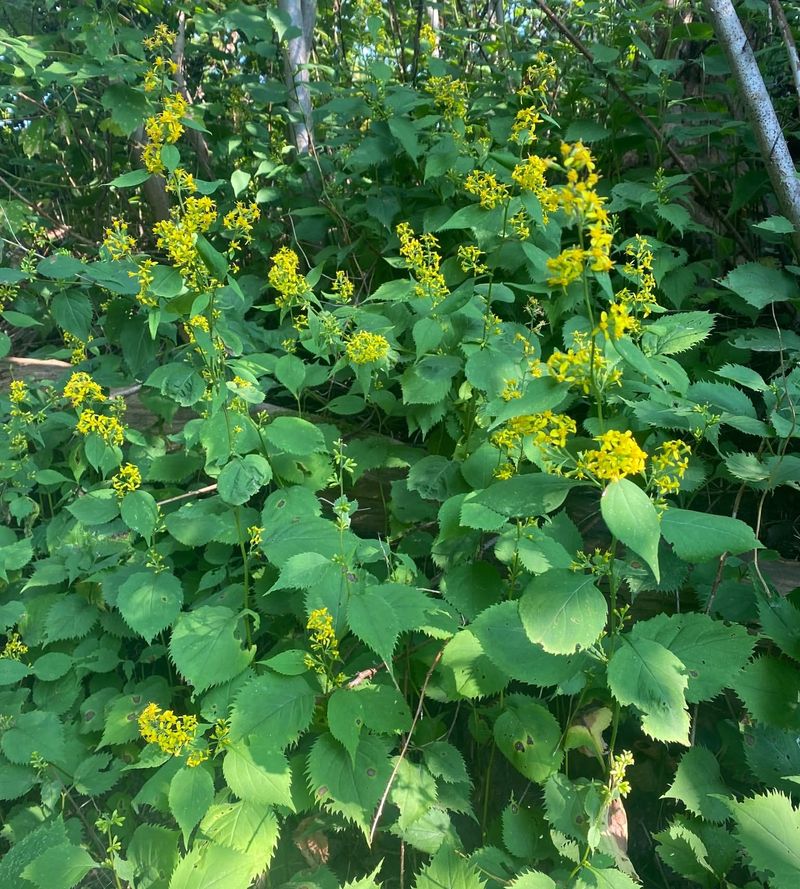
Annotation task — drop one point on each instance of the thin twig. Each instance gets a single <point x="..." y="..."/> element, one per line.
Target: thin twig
<point x="406" y="743"/>
<point x="209" y="489"/>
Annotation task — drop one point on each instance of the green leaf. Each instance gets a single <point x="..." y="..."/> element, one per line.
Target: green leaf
<point x="350" y="787"/>
<point x="191" y="792"/>
<point x="213" y="260"/>
<point x="406" y="134"/>
<point x="258" y="773"/>
<point x="62" y="265"/>
<point x="60" y="867"/>
<point x="413" y="792"/>
<point x="532" y="880"/>
<point x="214" y="867"/>
<point x="429" y="380"/>
<point x="759" y="285"/>
<point x="631" y="517"/>
<point x="51" y="666"/>
<point x="604" y="878"/>
<point x="294" y="436"/>
<point x="713" y="652"/>
<point x="374" y="621"/>
<point x="677" y="333"/>
<point x="149" y="602"/>
<point x="33" y="732"/>
<point x="243" y="827"/>
<point x="768" y="827"/>
<point x="696" y="783"/>
<point x="72" y="311"/>
<point x="346" y="718"/>
<point x="529" y="736"/>
<point x="465" y="671"/>
<point x="779" y="225"/>
<point x="128" y="180"/>
<point x="448" y="869"/>
<point x="139" y="511"/>
<point x="95" y="508"/>
<point x="302" y="571"/>
<point x="770" y="689"/>
<point x="280" y="706"/>
<point x="700" y="536"/>
<point x="522" y="496"/>
<point x="563" y="611"/>
<point x="650" y="677"/>
<point x="239" y="181"/>
<point x="242" y="477"/>
<point x="444" y="761"/>
<point x="780" y="620"/>
<point x="205" y="648"/>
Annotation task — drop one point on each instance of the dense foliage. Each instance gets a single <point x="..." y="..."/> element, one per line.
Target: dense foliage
<point x="414" y="511"/>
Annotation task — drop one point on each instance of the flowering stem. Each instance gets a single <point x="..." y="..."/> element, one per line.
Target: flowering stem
<point x="246" y="578"/>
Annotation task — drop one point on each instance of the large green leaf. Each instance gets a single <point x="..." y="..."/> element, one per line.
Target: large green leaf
<point x="770" y="689"/>
<point x="697" y="784"/>
<point x="374" y="621"/>
<point x="60" y="867"/>
<point x="448" y="870"/>
<point x="279" y="706"/>
<point x="191" y="792"/>
<point x="245" y="827"/>
<point x="214" y="867"/>
<point x="242" y="477"/>
<point x="563" y="611"/>
<point x="768" y="827"/>
<point x="149" y="601"/>
<point x="350" y="787"/>
<point x="759" y="285"/>
<point x="699" y="536"/>
<point x="632" y="519"/>
<point x="643" y="673"/>
<point x="712" y="651"/>
<point x="258" y="773"/>
<point x="206" y="648"/>
<point x="529" y="736"/>
<point x="465" y="671"/>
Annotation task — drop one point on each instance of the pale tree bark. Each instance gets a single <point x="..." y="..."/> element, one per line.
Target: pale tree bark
<point x="760" y="110"/>
<point x="303" y="15"/>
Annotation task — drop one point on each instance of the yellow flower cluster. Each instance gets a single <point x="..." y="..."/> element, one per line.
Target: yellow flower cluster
<point x="108" y="428"/>
<point x="539" y="79"/>
<point x="285" y="278"/>
<point x="364" y="347"/>
<point x="17" y="391"/>
<point x="77" y="347"/>
<point x="162" y="129"/>
<point x="582" y="365"/>
<point x="547" y="429"/>
<point x="640" y="268"/>
<point x="618" y="321"/>
<point x="144" y="275"/>
<point x="486" y="188"/>
<point x="566" y="267"/>
<point x="14" y="648"/>
<point x="176" y="236"/>
<point x="241" y="220"/>
<point x="617" y="457"/>
<point x="523" y="130"/>
<point x="422" y="256"/>
<point x="81" y="387"/>
<point x="668" y="466"/>
<point x="126" y="480"/>
<point x="154" y="77"/>
<point x="342" y="287"/>
<point x="170" y="732"/>
<point x="162" y="36"/>
<point x="469" y="258"/>
<point x="616" y="775"/>
<point x="255" y="533"/>
<point x="427" y="34"/>
<point x="510" y="390"/>
<point x="181" y="182"/>
<point x="519" y="222"/>
<point x="322" y="640"/>
<point x="117" y="241"/>
<point x="450" y="96"/>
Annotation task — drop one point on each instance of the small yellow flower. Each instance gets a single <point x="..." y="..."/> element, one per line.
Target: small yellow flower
<point x="364" y="347"/>
<point x="669" y="464"/>
<point x="486" y="188"/>
<point x="108" y="428"/>
<point x="255" y="533"/>
<point x="284" y="277"/>
<point x="117" y="240"/>
<point x="566" y="267"/>
<point x="242" y="219"/>
<point x="469" y="258"/>
<point x="422" y="256"/>
<point x="450" y="96"/>
<point x="81" y="388"/>
<point x="127" y="479"/>
<point x="342" y="287"/>
<point x="17" y="391"/>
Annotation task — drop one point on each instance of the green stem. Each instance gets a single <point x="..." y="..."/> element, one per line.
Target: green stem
<point x="246" y="578"/>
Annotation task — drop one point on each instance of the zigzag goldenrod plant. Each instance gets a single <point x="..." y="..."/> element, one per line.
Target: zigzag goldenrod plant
<point x="430" y="561"/>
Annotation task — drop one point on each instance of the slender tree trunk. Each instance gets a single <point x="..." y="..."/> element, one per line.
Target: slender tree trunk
<point x="760" y="110"/>
<point x="789" y="42"/>
<point x="303" y="15"/>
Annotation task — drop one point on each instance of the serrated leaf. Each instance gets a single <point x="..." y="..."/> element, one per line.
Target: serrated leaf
<point x="60" y="867"/>
<point x="759" y="285"/>
<point x="301" y="571"/>
<point x="648" y="676"/>
<point x="375" y="622"/>
<point x="448" y="869"/>
<point x="242" y="477"/>
<point x="632" y="519"/>
<point x="532" y="880"/>
<point x="563" y="611"/>
<point x="466" y="671"/>
<point x="258" y="773"/>
<point x="413" y="792"/>
<point x="214" y="867"/>
<point x="770" y="689"/>
<point x="350" y="787"/>
<point x="33" y="732"/>
<point x="244" y="827"/>
<point x="446" y="762"/>
<point x="279" y="706"/>
<point x="149" y="602"/>
<point x="346" y="718"/>
<point x="529" y="736"/>
<point x="673" y="334"/>
<point x="700" y="536"/>
<point x="139" y="511"/>
<point x="696" y="783"/>
<point x="205" y="647"/>
<point x="713" y="652"/>
<point x="191" y="792"/>
<point x="768" y="827"/>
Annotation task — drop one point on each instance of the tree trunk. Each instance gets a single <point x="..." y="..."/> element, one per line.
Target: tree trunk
<point x="760" y="110"/>
<point x="303" y="15"/>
